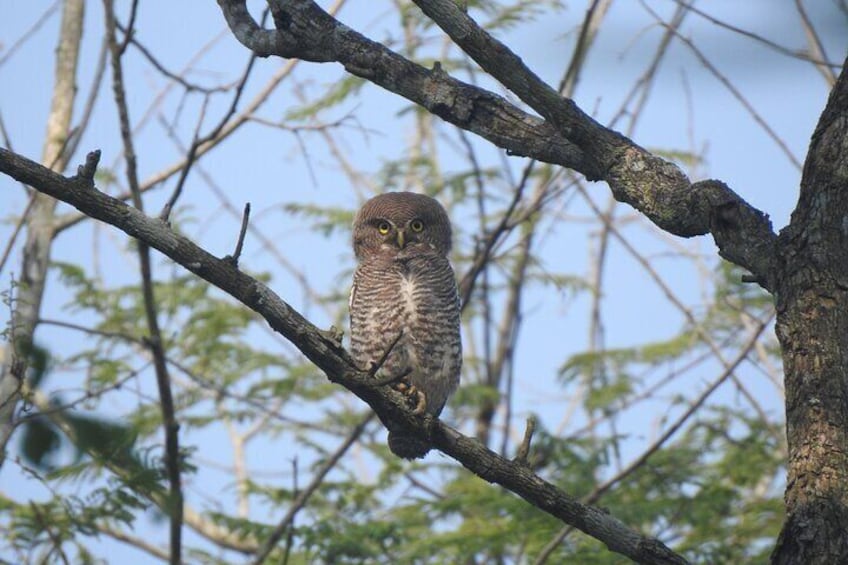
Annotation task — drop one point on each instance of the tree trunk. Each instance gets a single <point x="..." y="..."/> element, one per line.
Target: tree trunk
<point x="40" y="223"/>
<point x="812" y="326"/>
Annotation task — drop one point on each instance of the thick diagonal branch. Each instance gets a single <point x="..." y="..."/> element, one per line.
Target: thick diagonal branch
<point x="567" y="136"/>
<point x="652" y="185"/>
<point x="336" y="363"/>
<point x="314" y="35"/>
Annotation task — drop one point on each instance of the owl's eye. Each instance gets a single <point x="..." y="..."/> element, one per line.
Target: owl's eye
<point x="416" y="225"/>
<point x="384" y="227"/>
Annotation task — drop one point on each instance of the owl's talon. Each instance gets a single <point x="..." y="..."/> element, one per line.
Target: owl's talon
<point x="421" y="404"/>
<point x="414" y="394"/>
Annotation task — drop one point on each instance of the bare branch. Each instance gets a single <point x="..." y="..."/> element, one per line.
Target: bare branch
<point x="727" y="83"/>
<point x="163" y="381"/>
<point x="303" y="496"/>
<point x="132" y="540"/>
<point x="29" y="33"/>
<point x="814" y="43"/>
<point x="245" y="220"/>
<point x="655" y="187"/>
<point x="321" y="38"/>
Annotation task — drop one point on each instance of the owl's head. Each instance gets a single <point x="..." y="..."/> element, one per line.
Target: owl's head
<point x="400" y="221"/>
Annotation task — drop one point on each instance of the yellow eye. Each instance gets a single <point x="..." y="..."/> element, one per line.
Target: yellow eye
<point x="416" y="225"/>
<point x="383" y="227"/>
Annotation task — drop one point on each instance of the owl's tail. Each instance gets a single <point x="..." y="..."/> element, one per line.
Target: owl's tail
<point x="407" y="446"/>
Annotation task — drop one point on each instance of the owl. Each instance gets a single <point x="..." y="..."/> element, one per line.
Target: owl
<point x="404" y="301"/>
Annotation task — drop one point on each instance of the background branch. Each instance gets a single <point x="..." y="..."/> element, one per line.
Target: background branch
<point x="157" y="348"/>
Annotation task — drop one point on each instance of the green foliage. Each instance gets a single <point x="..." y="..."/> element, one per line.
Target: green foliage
<point x="339" y="91"/>
<point x="327" y="219"/>
<point x="615" y="361"/>
<point x="38" y="441"/>
<point x="713" y="490"/>
<point x="507" y="16"/>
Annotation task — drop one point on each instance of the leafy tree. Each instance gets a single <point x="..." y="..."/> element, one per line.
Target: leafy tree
<point x="140" y="390"/>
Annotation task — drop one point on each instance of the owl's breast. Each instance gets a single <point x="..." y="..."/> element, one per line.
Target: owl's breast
<point x="408" y="302"/>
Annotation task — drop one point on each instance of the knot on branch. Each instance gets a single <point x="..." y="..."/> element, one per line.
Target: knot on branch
<point x="658" y="189"/>
<point x="743" y="234"/>
<point x="661" y="191"/>
<point x="443" y="99"/>
<point x="85" y="172"/>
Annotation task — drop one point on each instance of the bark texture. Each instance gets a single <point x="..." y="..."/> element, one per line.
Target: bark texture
<point x="812" y="325"/>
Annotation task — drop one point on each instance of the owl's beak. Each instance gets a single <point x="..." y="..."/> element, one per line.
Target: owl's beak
<point x="400" y="239"/>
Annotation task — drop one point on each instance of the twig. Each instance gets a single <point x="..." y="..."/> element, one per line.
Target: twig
<point x="815" y="45"/>
<point x="588" y="30"/>
<point x="28" y="34"/>
<point x="374" y="367"/>
<point x="425" y="487"/>
<point x="524" y="449"/>
<point x="245" y="219"/>
<point x="176" y="77"/>
<point x="88" y="107"/>
<point x="817" y="60"/>
<point x="165" y="214"/>
<point x="302" y="497"/>
<point x="481" y="258"/>
<point x="166" y="401"/>
<point x="129" y="31"/>
<point x="18" y="227"/>
<point x="290" y="530"/>
<point x="659" y="442"/>
<point x="137" y="542"/>
<point x="57" y="542"/>
<point x="754" y="113"/>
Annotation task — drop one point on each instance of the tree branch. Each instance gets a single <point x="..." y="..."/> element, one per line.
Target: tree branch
<point x="302" y="497"/>
<point x="655" y="187"/>
<point x="336" y="363"/>
<point x="313" y="35"/>
<point x="39" y="223"/>
<point x="157" y="347"/>
<point x="566" y="137"/>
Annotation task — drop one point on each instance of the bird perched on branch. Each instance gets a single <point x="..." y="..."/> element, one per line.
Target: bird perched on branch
<point x="404" y="305"/>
